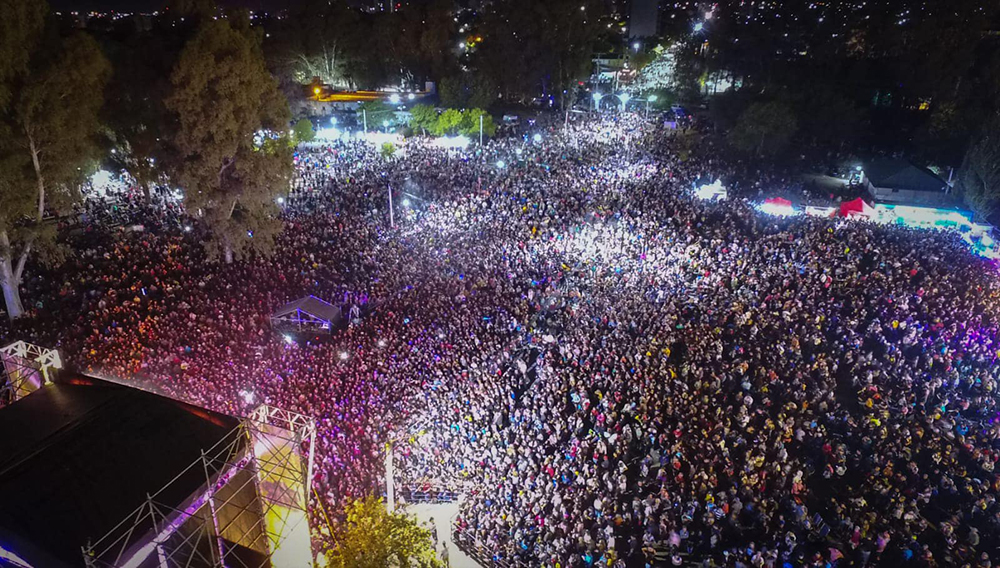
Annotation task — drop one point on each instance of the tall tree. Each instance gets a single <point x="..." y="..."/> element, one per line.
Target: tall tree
<point x="49" y="126"/>
<point x="468" y="90"/>
<point x="979" y="176"/>
<point x="20" y="28"/>
<point x="764" y="128"/>
<point x="233" y="157"/>
<point x="134" y="112"/>
<point x="321" y="39"/>
<point x="539" y="47"/>
<point x="372" y="537"/>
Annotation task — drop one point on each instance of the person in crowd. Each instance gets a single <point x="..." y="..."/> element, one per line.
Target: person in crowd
<point x="612" y="371"/>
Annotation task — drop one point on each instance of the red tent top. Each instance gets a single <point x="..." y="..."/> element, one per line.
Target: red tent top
<point x="778" y="201"/>
<point x="855" y="207"/>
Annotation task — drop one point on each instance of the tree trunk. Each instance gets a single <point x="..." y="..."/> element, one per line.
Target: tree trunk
<point x="145" y="193"/>
<point x="38" y="177"/>
<point x="9" y="280"/>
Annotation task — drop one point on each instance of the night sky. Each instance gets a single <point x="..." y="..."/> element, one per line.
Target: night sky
<point x="151" y="5"/>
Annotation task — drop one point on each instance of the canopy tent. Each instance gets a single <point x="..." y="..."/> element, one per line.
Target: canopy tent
<point x="307" y="314"/>
<point x="856" y="208"/>
<point x="779" y="201"/>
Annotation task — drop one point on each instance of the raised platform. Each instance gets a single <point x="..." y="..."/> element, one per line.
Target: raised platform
<point x="80" y="455"/>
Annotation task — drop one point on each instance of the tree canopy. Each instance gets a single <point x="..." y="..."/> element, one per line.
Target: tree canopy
<point x="48" y="139"/>
<point x="372" y="537"/>
<point x="231" y="142"/>
<point x="764" y="128"/>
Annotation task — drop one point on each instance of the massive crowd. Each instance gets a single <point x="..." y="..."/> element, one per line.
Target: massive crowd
<point x="613" y="372"/>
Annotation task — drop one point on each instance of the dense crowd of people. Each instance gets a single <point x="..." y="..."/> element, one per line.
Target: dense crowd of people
<point x="613" y="372"/>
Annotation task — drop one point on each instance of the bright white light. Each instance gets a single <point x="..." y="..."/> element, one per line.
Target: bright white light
<point x="635" y="46"/>
<point x="343" y="355"/>
<point x="385" y="123"/>
<point x="699" y="26"/>
<point x="518" y="151"/>
<point x="333" y="120"/>
<point x="651" y="98"/>
<point x="281" y="201"/>
<point x="857" y="168"/>
<point x="247" y="396"/>
<point x="331" y="133"/>
<point x="537" y="137"/>
<point x="712" y="191"/>
<point x="411" y="96"/>
<point x="461" y="45"/>
<point x="381" y="343"/>
<point x="114" y="151"/>
<point x="406" y="202"/>
<point x="187" y="228"/>
<point x="394" y="99"/>
<point x="501" y="164"/>
<point x="101" y="181"/>
<point x="451" y="142"/>
<point x="598" y="97"/>
<point x="288" y="339"/>
<point x="777" y="209"/>
<point x="709" y="15"/>
<point x="625" y="97"/>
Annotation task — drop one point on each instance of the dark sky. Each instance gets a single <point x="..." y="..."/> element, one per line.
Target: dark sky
<point x="151" y="5"/>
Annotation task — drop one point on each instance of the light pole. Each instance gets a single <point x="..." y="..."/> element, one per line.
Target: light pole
<point x="364" y="115"/>
<point x="597" y="101"/>
<point x="649" y="99"/>
<point x="392" y="219"/>
<point x="385" y="124"/>
<point x="624" y="98"/>
<point x="480" y="130"/>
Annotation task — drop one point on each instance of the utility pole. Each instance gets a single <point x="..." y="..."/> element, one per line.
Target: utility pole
<point x="480" y="130"/>
<point x="566" y="126"/>
<point x="392" y="219"/>
<point x="390" y="482"/>
<point x="364" y="115"/>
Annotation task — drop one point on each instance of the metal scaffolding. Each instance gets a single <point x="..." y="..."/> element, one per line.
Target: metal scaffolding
<point x="251" y="511"/>
<point x="26" y="369"/>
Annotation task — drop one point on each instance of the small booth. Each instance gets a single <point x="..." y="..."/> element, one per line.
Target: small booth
<point x="856" y="208"/>
<point x="309" y="314"/>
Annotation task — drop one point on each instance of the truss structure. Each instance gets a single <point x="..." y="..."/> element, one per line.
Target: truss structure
<point x="285" y="481"/>
<point x="26" y="368"/>
<point x="251" y="511"/>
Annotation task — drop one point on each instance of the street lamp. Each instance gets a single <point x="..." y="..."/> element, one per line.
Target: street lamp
<point x="385" y="124"/>
<point x="501" y="164"/>
<point x="625" y="97"/>
<point x="333" y="120"/>
<point x="699" y="26"/>
<point x="649" y="99"/>
<point x="394" y="99"/>
<point x="537" y="138"/>
<point x="411" y="96"/>
<point x="597" y="100"/>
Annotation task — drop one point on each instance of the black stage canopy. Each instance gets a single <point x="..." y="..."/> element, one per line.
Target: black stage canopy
<point x="79" y="456"/>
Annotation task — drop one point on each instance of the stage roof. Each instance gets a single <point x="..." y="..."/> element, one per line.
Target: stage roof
<point x="312" y="306"/>
<point x="900" y="174"/>
<point x="76" y="458"/>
